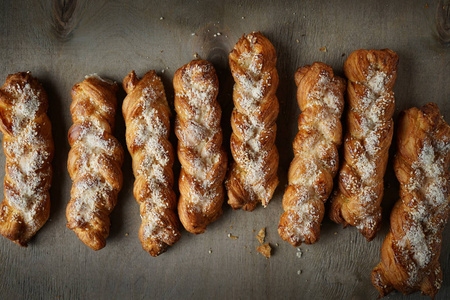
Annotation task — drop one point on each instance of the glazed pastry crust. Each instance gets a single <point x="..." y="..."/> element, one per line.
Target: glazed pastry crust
<point x="200" y="151"/>
<point x="357" y="201"/>
<point x="253" y="174"/>
<point x="29" y="150"/>
<point x="94" y="161"/>
<point x="410" y="251"/>
<point x="320" y="96"/>
<point x="147" y="119"/>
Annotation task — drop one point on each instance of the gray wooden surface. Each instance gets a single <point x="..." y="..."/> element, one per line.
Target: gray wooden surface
<point x="61" y="41"/>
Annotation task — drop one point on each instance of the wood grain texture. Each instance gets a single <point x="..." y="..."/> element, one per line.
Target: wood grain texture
<point x="61" y="44"/>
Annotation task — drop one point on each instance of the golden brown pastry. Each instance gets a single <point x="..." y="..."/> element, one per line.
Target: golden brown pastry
<point x="94" y="161"/>
<point x="147" y="119"/>
<point x="371" y="76"/>
<point x="200" y="151"/>
<point x="320" y="96"/>
<point x="29" y="149"/>
<point x="253" y="174"/>
<point x="410" y="252"/>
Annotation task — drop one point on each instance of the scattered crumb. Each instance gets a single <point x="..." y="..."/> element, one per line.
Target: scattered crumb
<point x="299" y="272"/>
<point x="193" y="34"/>
<point x="219" y="34"/>
<point x="195" y="55"/>
<point x="276" y="244"/>
<point x="299" y="253"/>
<point x="162" y="71"/>
<point x="297" y="41"/>
<point x="293" y="13"/>
<point x="265" y="250"/>
<point x="261" y="235"/>
<point x="210" y="251"/>
<point x="215" y="35"/>
<point x="323" y="49"/>
<point x="126" y="234"/>
<point x="162" y="18"/>
<point x="162" y="51"/>
<point x="231" y="227"/>
<point x="426" y="5"/>
<point x="233" y="237"/>
<point x="335" y="232"/>
<point x="307" y="250"/>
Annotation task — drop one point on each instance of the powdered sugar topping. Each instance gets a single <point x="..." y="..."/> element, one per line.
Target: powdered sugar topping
<point x="27" y="154"/>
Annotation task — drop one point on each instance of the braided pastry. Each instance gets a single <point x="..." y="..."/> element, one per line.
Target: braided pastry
<point x="200" y="151"/>
<point x="410" y="252"/>
<point x="94" y="161"/>
<point x="320" y="96"/>
<point x="29" y="149"/>
<point x="253" y="175"/>
<point x="147" y="119"/>
<point x="357" y="201"/>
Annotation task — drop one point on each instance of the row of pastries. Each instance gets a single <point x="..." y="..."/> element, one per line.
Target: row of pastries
<point x="363" y="133"/>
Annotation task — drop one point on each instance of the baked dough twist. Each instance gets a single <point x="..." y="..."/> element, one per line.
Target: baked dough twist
<point x="253" y="174"/>
<point x="200" y="151"/>
<point x="29" y="149"/>
<point x="94" y="161"/>
<point x="147" y="120"/>
<point x="320" y="96"/>
<point x="410" y="252"/>
<point x="357" y="201"/>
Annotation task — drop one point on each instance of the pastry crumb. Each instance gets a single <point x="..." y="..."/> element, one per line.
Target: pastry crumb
<point x="276" y="244"/>
<point x="335" y="232"/>
<point x="297" y="41"/>
<point x="195" y="55"/>
<point x="161" y="18"/>
<point x="126" y="234"/>
<point x="265" y="250"/>
<point x="210" y="251"/>
<point x="299" y="253"/>
<point x="299" y="272"/>
<point x="323" y="49"/>
<point x="426" y="5"/>
<point x="261" y="235"/>
<point x="233" y="237"/>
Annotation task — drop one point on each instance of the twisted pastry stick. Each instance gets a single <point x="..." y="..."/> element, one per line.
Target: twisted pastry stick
<point x="200" y="151"/>
<point x="410" y="252"/>
<point x="28" y="147"/>
<point x="147" y="119"/>
<point x="320" y="96"/>
<point x="253" y="175"/>
<point x="371" y="77"/>
<point x="94" y="162"/>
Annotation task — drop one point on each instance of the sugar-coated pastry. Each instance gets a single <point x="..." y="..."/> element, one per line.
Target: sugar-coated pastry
<point x="29" y="150"/>
<point x="147" y="119"/>
<point x="94" y="161"/>
<point x="253" y="176"/>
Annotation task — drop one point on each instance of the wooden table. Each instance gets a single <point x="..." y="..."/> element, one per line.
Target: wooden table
<point x="61" y="41"/>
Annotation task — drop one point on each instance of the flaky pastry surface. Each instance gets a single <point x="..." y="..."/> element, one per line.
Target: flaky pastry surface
<point x="411" y="250"/>
<point x="253" y="176"/>
<point x="28" y="147"/>
<point x="320" y="96"/>
<point x="202" y="157"/>
<point x="147" y="119"/>
<point x="371" y="76"/>
<point x="94" y="161"/>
